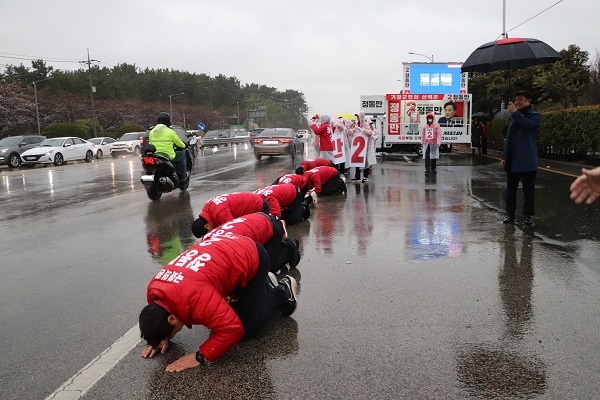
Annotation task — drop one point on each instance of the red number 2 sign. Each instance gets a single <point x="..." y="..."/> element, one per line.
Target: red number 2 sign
<point x="358" y="150"/>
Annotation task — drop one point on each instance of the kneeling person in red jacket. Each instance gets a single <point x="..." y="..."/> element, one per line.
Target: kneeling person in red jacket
<point x="265" y="230"/>
<point x="285" y="202"/>
<point x="324" y="180"/>
<point x="224" y="208"/>
<point x="221" y="284"/>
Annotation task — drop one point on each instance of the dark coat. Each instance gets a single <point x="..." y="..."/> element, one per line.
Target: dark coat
<point x="520" y="147"/>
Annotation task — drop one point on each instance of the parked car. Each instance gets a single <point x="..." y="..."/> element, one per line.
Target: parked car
<point x="129" y="143"/>
<point x="104" y="145"/>
<point x="186" y="137"/>
<point x="11" y="148"/>
<point x="59" y="150"/>
<point x="277" y="142"/>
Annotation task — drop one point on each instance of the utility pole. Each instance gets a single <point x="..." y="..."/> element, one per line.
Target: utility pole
<point x="92" y="88"/>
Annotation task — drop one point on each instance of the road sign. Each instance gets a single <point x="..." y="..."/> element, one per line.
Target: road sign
<point x="201" y="127"/>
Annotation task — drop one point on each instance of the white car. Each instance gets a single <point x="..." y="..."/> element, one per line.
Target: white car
<point x="129" y="143"/>
<point x="104" y="145"/>
<point x="59" y="150"/>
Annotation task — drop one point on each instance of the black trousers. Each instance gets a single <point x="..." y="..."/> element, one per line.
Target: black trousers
<point x="357" y="173"/>
<point x="294" y="213"/>
<point x="484" y="143"/>
<point x="429" y="162"/>
<point x="512" y="184"/>
<point x="258" y="303"/>
<point x="279" y="254"/>
<point x="333" y="186"/>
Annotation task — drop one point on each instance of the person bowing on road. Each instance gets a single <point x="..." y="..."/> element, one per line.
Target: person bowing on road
<point x="223" y="284"/>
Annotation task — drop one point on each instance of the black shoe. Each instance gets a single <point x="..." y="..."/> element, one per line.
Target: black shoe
<point x="426" y="172"/>
<point x="527" y="220"/>
<point x="272" y="280"/>
<point x="434" y="171"/>
<point x="509" y="219"/>
<point x="290" y="287"/>
<point x="306" y="214"/>
<point x="294" y="246"/>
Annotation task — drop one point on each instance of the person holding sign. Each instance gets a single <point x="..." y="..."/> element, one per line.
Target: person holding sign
<point x="362" y="151"/>
<point x="431" y="137"/>
<point x="340" y="145"/>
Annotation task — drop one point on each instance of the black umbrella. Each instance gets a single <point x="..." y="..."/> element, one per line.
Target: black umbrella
<point x="510" y="54"/>
<point x="481" y="116"/>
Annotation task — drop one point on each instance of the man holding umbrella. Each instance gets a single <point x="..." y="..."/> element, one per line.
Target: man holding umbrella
<point x="519" y="156"/>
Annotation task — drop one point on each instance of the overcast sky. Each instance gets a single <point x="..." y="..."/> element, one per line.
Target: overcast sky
<point x="332" y="51"/>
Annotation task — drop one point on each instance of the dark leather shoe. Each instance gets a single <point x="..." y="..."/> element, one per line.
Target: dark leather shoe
<point x="527" y="220"/>
<point x="426" y="172"/>
<point x="509" y="219"/>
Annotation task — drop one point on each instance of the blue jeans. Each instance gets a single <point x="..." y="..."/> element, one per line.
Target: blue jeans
<point x="180" y="163"/>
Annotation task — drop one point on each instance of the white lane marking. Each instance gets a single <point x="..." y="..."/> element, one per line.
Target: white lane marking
<point x="76" y="386"/>
<point x="407" y="159"/>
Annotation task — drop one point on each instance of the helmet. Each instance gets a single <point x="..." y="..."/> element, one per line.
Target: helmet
<point x="164" y="118"/>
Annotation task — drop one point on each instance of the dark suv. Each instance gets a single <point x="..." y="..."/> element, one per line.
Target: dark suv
<point x="185" y="136"/>
<point x="11" y="148"/>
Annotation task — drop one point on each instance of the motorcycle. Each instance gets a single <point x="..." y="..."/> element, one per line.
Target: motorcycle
<point x="160" y="175"/>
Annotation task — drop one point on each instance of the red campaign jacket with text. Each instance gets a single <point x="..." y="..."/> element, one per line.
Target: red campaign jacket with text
<point x="314" y="163"/>
<point x="256" y="226"/>
<point x="294" y="179"/>
<point x="319" y="176"/>
<point x="226" y="207"/>
<point x="194" y="287"/>
<point x="278" y="197"/>
<point x="324" y="132"/>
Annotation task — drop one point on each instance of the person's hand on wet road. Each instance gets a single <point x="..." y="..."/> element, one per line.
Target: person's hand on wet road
<point x="150" y="351"/>
<point x="586" y="187"/>
<point x="182" y="363"/>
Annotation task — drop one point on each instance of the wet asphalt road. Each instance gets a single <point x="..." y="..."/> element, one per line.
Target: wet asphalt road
<point x="410" y="286"/>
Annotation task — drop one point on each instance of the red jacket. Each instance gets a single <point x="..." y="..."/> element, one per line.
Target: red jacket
<point x="294" y="179"/>
<point x="314" y="163"/>
<point x="324" y="132"/>
<point x="194" y="287"/>
<point x="278" y="197"/>
<point x="256" y="226"/>
<point x="226" y="207"/>
<point x="319" y="176"/>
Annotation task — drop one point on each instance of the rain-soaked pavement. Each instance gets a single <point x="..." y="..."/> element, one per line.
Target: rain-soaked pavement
<point x="410" y="286"/>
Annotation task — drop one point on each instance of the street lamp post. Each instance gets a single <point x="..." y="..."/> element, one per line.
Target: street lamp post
<point x="237" y="103"/>
<point x="171" y="104"/>
<point x="37" y="110"/>
<point x="419" y="54"/>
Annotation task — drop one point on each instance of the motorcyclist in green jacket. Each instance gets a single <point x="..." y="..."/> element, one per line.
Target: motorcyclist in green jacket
<point x="163" y="138"/>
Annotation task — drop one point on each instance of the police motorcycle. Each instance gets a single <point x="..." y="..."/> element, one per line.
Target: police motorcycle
<point x="160" y="175"/>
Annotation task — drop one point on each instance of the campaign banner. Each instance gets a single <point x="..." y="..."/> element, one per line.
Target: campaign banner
<point x="358" y="150"/>
<point x="339" y="150"/>
<point x="451" y="111"/>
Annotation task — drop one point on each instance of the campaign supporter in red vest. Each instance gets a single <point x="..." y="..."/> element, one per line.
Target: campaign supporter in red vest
<point x="323" y="131"/>
<point x="311" y="163"/>
<point x="293" y="179"/>
<point x="265" y="230"/>
<point x="285" y="202"/>
<point x="226" y="207"/>
<point x="325" y="180"/>
<point x="222" y="284"/>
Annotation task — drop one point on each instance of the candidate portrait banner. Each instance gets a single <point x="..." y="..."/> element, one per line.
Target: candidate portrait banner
<point x="339" y="150"/>
<point x="358" y="150"/>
